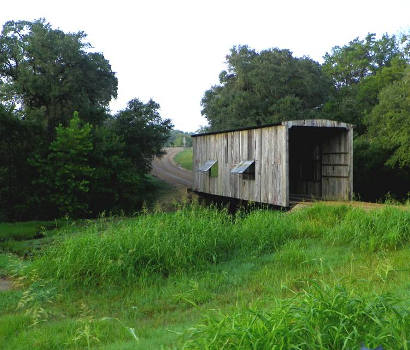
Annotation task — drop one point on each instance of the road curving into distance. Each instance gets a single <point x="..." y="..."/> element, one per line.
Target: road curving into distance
<point x="167" y="170"/>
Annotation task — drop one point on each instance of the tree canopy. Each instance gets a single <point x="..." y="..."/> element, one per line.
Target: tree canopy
<point x="359" y="70"/>
<point x="358" y="59"/>
<point x="143" y="130"/>
<point x="389" y="121"/>
<point x="61" y="151"/>
<point x="47" y="74"/>
<point x="263" y="87"/>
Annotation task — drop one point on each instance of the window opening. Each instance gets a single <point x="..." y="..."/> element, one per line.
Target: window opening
<point x="210" y="167"/>
<point x="246" y="169"/>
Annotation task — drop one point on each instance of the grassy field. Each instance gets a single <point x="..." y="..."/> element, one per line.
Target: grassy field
<point x="184" y="158"/>
<point x="322" y="277"/>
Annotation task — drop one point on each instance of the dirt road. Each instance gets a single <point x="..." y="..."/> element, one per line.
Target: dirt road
<point x="166" y="169"/>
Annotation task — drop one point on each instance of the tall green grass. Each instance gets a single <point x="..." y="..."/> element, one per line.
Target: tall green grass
<point x="203" y="258"/>
<point x="321" y="317"/>
<point x="160" y="243"/>
<point x="195" y="237"/>
<point x="386" y="228"/>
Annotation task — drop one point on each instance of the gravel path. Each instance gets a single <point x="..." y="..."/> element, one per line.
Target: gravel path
<point x="166" y="169"/>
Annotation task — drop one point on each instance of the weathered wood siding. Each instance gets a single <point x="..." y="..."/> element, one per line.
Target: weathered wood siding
<point x="229" y="149"/>
<point x="269" y="148"/>
<point x="274" y="172"/>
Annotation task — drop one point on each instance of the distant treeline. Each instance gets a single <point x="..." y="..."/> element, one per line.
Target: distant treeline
<point x="366" y="82"/>
<point x="61" y="151"/>
<point x="179" y="138"/>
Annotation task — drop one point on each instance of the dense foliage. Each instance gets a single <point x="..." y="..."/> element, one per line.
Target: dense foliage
<point x="364" y="83"/>
<point x="61" y="152"/>
<point x="265" y="87"/>
<point x="50" y="74"/>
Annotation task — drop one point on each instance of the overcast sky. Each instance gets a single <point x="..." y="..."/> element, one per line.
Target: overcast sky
<point x="172" y="51"/>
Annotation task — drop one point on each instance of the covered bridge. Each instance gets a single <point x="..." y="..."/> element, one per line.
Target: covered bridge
<point x="277" y="163"/>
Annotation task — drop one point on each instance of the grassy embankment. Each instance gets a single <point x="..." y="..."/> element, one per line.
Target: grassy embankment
<point x="318" y="278"/>
<point x="184" y="158"/>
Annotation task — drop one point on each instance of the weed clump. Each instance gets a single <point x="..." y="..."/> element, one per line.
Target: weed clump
<point x="321" y="317"/>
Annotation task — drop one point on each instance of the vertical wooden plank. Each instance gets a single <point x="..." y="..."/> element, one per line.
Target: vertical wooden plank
<point x="264" y="167"/>
<point x="285" y="166"/>
<point x="258" y="164"/>
<point x="350" y="143"/>
<point x="204" y="159"/>
<point x="231" y="160"/>
<point x="198" y="157"/>
<point x="201" y="175"/>
<point x="220" y="153"/>
<point x="224" y="167"/>
<point x="195" y="164"/>
<point x="274" y="168"/>
<point x="211" y="156"/>
<point x="244" y="187"/>
<point x="237" y="147"/>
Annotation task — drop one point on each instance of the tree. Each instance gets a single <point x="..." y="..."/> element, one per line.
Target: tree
<point x="389" y="122"/>
<point x="264" y="87"/>
<point x="48" y="74"/>
<point x="116" y="184"/>
<point x="351" y="63"/>
<point x="144" y="132"/>
<point x="359" y="71"/>
<point x="18" y="140"/>
<point x="65" y="172"/>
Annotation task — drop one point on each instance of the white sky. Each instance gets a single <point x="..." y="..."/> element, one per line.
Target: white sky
<point x="172" y="51"/>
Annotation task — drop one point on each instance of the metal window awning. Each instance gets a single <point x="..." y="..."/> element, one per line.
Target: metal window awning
<point x="242" y="167"/>
<point x="207" y="166"/>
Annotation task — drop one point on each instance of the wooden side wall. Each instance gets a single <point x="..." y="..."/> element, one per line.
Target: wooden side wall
<point x="266" y="146"/>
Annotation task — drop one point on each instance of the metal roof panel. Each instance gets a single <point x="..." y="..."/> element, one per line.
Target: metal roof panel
<point x="242" y="167"/>
<point x="207" y="165"/>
